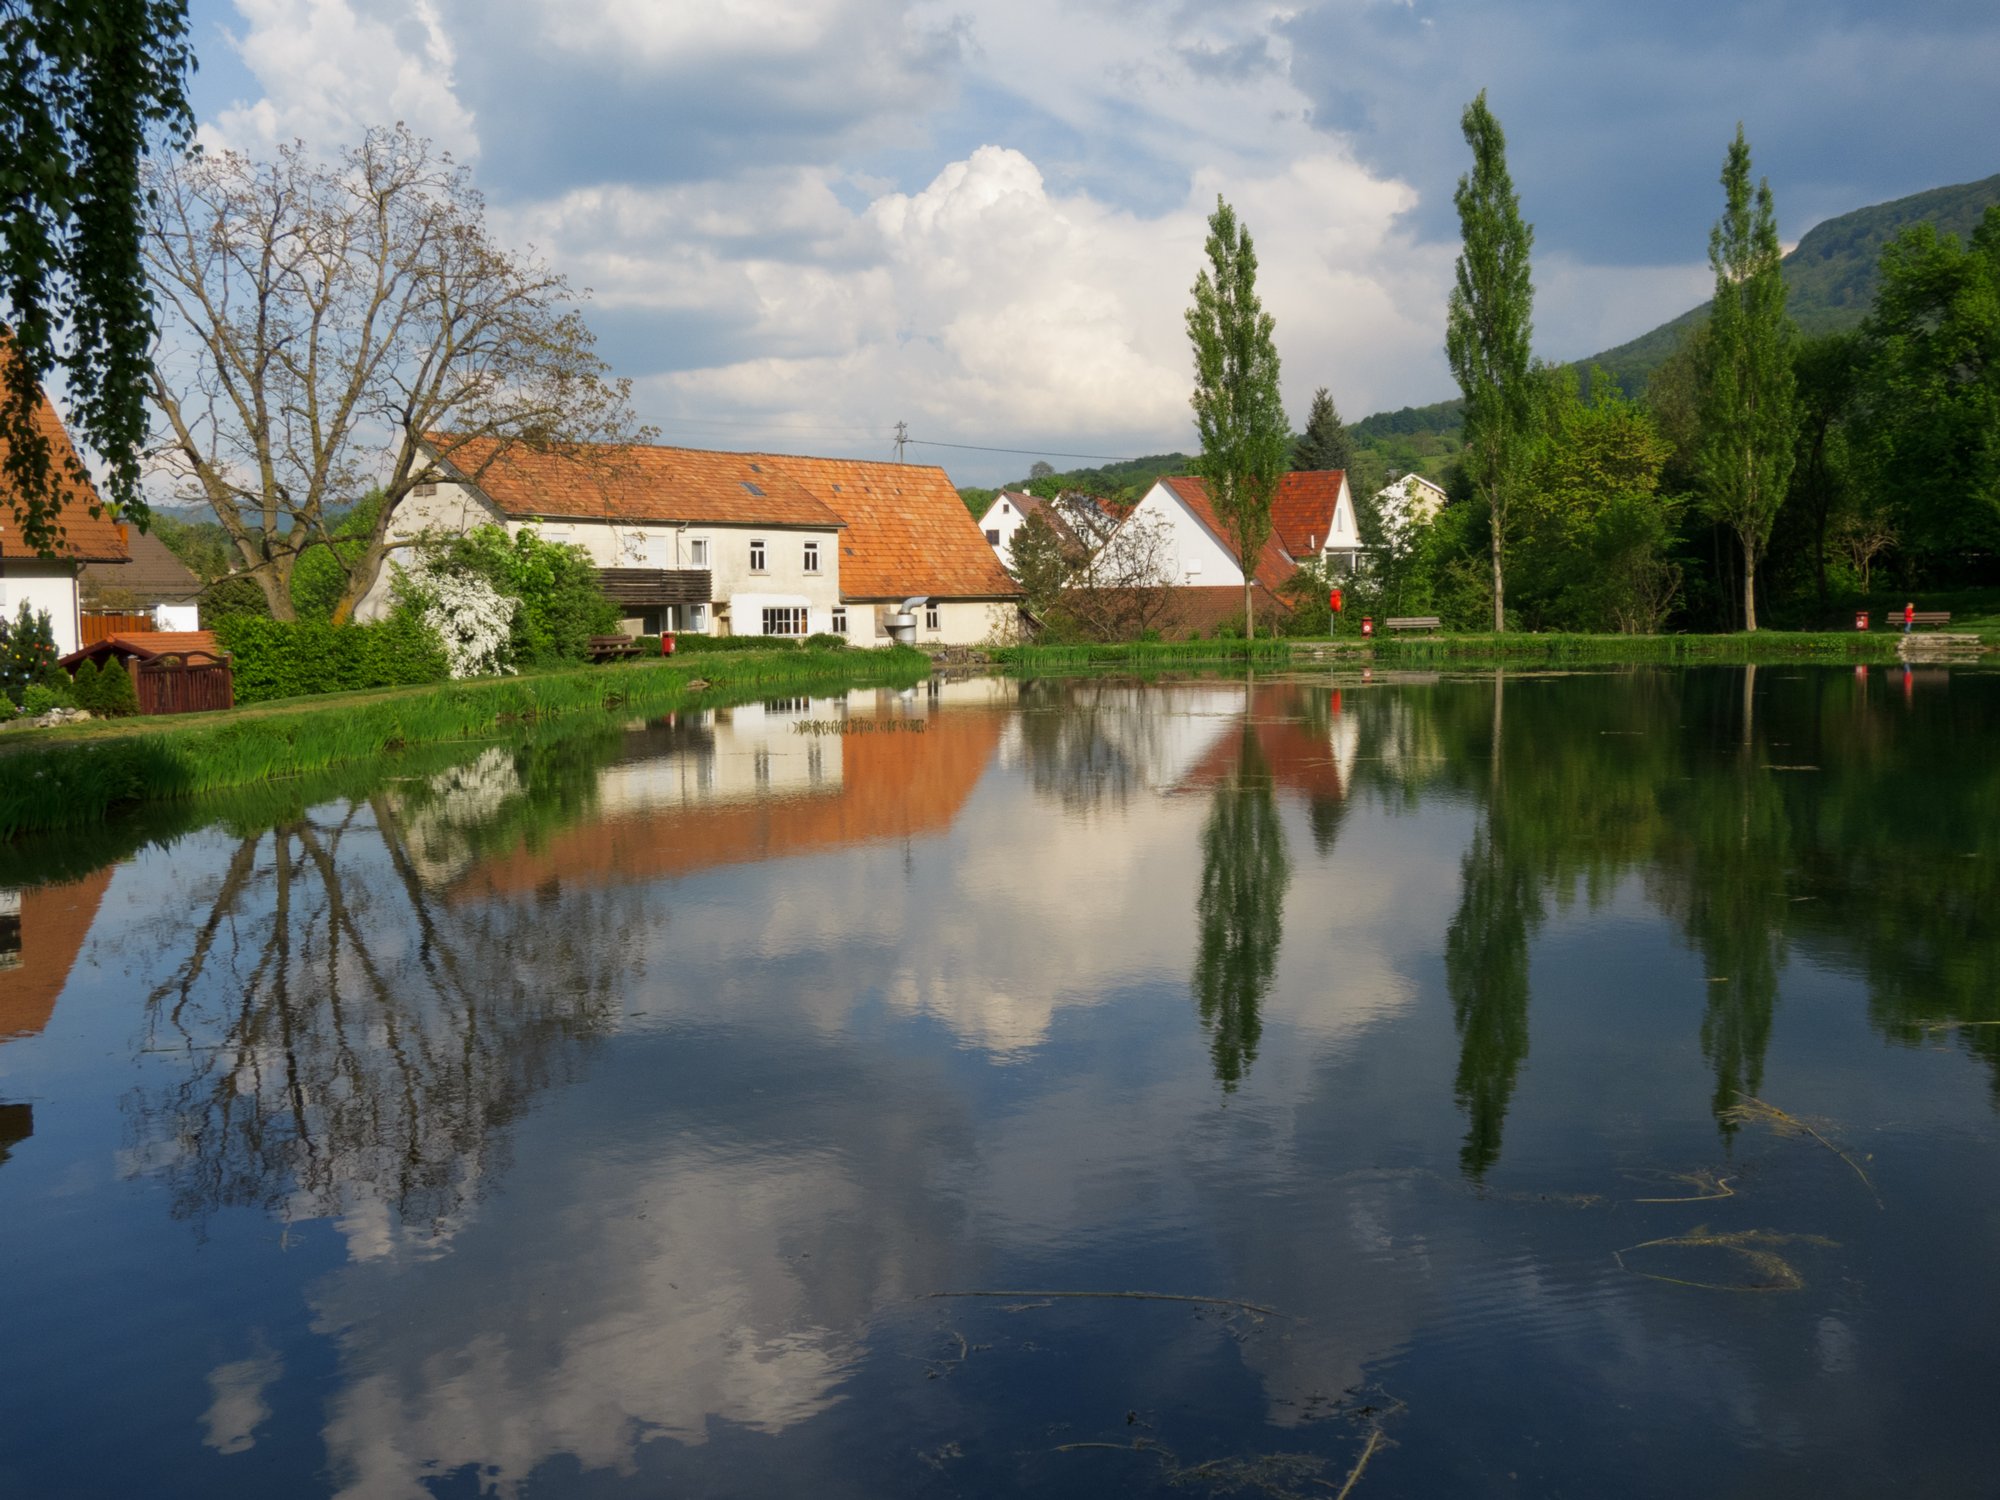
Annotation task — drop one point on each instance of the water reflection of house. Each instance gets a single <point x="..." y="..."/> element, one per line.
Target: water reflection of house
<point x="747" y="785"/>
<point x="1305" y="749"/>
<point x="41" y="931"/>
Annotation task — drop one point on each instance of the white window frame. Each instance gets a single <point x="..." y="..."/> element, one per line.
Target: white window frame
<point x="758" y="556"/>
<point x="812" y="557"/>
<point x="932" y="618"/>
<point x="698" y="552"/>
<point x="697" y="617"/>
<point x="790" y="618"/>
<point x="840" y="619"/>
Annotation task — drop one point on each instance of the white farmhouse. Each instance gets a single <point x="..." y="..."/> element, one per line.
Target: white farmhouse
<point x="1410" y="500"/>
<point x="684" y="539"/>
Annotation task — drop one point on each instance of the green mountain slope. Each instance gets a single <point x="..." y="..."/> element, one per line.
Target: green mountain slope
<point x="1831" y="275"/>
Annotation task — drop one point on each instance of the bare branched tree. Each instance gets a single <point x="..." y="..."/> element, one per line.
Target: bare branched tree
<point x="1120" y="581"/>
<point x="320" y="320"/>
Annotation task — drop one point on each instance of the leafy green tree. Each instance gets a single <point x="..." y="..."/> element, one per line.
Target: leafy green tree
<point x="83" y="686"/>
<point x="1594" y="527"/>
<point x="1240" y="912"/>
<point x="117" y="698"/>
<point x="1041" y="560"/>
<point x="562" y="603"/>
<point x="1747" y="388"/>
<point x="86" y="86"/>
<point x="1489" y="328"/>
<point x="1245" y="437"/>
<point x="1486" y="972"/>
<point x="1326" y="442"/>
<point x="319" y="577"/>
<point x="1826" y="371"/>
<point x="1933" y="397"/>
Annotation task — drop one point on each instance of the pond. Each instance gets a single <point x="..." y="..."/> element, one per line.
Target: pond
<point x="1479" y="1084"/>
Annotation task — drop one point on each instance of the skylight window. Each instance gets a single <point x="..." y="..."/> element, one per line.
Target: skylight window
<point x="751" y="488"/>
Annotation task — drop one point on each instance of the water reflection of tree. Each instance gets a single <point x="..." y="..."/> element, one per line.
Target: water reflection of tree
<point x="350" y="1041"/>
<point x="1486" y="972"/>
<point x="1086" y="743"/>
<point x="1240" y="911"/>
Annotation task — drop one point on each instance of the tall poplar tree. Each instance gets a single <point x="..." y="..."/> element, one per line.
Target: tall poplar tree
<point x="1745" y="450"/>
<point x="1326" y="442"/>
<point x="1489" y="327"/>
<point x="1245" y="438"/>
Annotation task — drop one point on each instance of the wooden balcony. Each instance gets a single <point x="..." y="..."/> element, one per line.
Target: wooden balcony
<point x="649" y="588"/>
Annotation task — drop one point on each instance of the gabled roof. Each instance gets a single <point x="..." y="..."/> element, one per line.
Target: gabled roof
<point x="634" y="483"/>
<point x="907" y="530"/>
<point x="1302" y="510"/>
<point x="153" y="576"/>
<point x="1273" y="567"/>
<point x="149" y="645"/>
<point x="85" y="538"/>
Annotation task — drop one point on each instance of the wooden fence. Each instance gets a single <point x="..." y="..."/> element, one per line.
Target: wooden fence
<point x="97" y="626"/>
<point x="185" y="684"/>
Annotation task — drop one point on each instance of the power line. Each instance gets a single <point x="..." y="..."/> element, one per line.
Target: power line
<point x="1104" y="458"/>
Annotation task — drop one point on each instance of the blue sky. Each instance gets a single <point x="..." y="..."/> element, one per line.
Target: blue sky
<point x="805" y="220"/>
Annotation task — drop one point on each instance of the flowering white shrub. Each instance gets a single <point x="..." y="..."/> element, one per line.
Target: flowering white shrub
<point x="470" y="618"/>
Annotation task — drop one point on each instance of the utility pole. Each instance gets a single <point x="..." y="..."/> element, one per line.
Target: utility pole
<point x="902" y="438"/>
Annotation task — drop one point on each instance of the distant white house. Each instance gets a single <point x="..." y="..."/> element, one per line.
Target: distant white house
<point x="1410" y="500"/>
<point x="1076" y="517"/>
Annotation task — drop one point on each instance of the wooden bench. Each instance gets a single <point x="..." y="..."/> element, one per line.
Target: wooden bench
<point x="1414" y="622"/>
<point x="611" y="647"/>
<point x="1922" y="619"/>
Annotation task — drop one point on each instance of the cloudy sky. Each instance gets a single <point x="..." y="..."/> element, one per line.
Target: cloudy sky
<point x="805" y="220"/>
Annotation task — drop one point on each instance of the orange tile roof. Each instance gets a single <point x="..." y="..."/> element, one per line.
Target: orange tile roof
<point x="85" y="538"/>
<point x="892" y="786"/>
<point x="1297" y="759"/>
<point x="1302" y="510"/>
<point x="54" y="921"/>
<point x="1273" y="567"/>
<point x="907" y="531"/>
<point x="148" y="645"/>
<point x="634" y="482"/>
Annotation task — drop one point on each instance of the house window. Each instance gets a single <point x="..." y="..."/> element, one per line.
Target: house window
<point x="812" y="557"/>
<point x="840" y="620"/>
<point x="784" y="620"/>
<point x="993" y="536"/>
<point x="930" y="617"/>
<point x="698" y="552"/>
<point x="426" y="489"/>
<point x="698" y="618"/>
<point x="757" y="560"/>
<point x="1004" y="510"/>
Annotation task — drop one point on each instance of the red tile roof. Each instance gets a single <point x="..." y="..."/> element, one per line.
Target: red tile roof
<point x="148" y="645"/>
<point x="1273" y="567"/>
<point x="634" y="482"/>
<point x="907" y="531"/>
<point x="85" y="537"/>
<point x="1302" y="510"/>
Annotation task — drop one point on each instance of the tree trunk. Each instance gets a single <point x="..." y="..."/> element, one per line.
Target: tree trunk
<point x="1749" y="587"/>
<point x="1249" y="624"/>
<point x="1499" y="588"/>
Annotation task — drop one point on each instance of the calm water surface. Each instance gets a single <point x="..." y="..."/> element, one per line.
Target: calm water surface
<point x="1547" y="1085"/>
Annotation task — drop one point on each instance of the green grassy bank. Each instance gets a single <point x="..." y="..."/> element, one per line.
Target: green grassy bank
<point x="73" y="778"/>
<point x="1445" y="650"/>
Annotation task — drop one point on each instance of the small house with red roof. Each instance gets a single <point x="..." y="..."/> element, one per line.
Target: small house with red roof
<point x="89" y="535"/>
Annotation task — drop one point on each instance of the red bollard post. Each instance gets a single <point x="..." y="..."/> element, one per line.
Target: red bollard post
<point x="1861" y="619"/>
<point x="666" y="643"/>
<point x="1367" y="624"/>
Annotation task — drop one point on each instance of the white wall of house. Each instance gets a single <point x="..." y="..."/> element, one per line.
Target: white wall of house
<point x="958" y="622"/>
<point x="45" y="585"/>
<point x="741" y="592"/>
<point x="177" y="617"/>
<point x="1002" y="519"/>
<point x="751" y="752"/>
<point x="1411" y="498"/>
<point x="1198" y="557"/>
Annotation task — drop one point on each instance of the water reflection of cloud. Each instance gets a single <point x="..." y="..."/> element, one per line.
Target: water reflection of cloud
<point x="239" y="1407"/>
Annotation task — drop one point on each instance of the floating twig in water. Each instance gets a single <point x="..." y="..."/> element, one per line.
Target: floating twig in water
<point x="1268" y="1312"/>
<point x="1748" y="1243"/>
<point x="1748" y="1107"/>
<point x="1952" y="1025"/>
<point x="1375" y="1440"/>
<point x="1708" y="1180"/>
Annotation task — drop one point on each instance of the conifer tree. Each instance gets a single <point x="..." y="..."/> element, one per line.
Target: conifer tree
<point x="1489" y="328"/>
<point x="1245" y="437"/>
<point x="1746" y="382"/>
<point x="1326" y="442"/>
